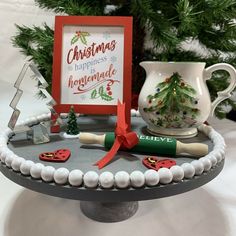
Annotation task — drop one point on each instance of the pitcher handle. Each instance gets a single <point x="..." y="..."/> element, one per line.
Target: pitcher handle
<point x="221" y="95"/>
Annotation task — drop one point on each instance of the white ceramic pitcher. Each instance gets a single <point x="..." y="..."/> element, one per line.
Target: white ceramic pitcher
<point x="175" y="100"/>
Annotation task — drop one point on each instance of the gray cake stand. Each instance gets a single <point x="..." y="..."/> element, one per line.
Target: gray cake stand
<point x="111" y="205"/>
<point x="105" y="205"/>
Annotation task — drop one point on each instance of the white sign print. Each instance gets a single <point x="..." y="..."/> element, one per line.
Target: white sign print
<point x="92" y="64"/>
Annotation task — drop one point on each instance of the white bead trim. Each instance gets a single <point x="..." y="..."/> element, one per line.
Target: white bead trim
<point x="120" y="179"/>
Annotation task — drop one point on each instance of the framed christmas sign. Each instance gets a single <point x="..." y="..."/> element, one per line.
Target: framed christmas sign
<point x="92" y="64"/>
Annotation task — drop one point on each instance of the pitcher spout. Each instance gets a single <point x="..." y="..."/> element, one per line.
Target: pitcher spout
<point x="148" y="66"/>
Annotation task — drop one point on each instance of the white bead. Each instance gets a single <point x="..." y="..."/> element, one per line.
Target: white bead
<point x="47" y="173"/>
<point x="26" y="166"/>
<point x="207" y="129"/>
<point x="206" y="163"/>
<point x="188" y="169"/>
<point x="218" y="156"/>
<point x="63" y="115"/>
<point x="20" y="122"/>
<point x="27" y="121"/>
<point x="137" y="179"/>
<point x="218" y="147"/>
<point x="201" y="127"/>
<point x="138" y="113"/>
<point x="6" y="151"/>
<point x="165" y="175"/>
<point x="9" y="159"/>
<point x="31" y="121"/>
<point x="213" y="160"/>
<point x="177" y="172"/>
<point x="45" y="116"/>
<point x="34" y="120"/>
<point x="223" y="157"/>
<point x="151" y="177"/>
<point x="40" y="118"/>
<point x="61" y="175"/>
<point x="8" y="131"/>
<point x="91" y="179"/>
<point x="16" y="163"/>
<point x="35" y="170"/>
<point x="106" y="179"/>
<point x="76" y="177"/>
<point x="122" y="179"/>
<point x="3" y="155"/>
<point x="3" y="138"/>
<point x="133" y="112"/>
<point x="198" y="166"/>
<point x="3" y="143"/>
<point x="48" y="115"/>
<point x="211" y="135"/>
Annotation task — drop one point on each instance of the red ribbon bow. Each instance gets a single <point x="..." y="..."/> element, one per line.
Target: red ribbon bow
<point x="124" y="138"/>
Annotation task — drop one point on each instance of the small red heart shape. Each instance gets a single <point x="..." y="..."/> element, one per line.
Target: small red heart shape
<point x="150" y="162"/>
<point x="46" y="156"/>
<point x="154" y="163"/>
<point x="165" y="163"/>
<point x="60" y="155"/>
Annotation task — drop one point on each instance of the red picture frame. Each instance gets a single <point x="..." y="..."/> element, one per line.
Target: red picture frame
<point x="57" y="90"/>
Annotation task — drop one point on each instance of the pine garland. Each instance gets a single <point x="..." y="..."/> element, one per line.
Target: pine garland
<point x="170" y="24"/>
<point x="73" y="7"/>
<point x="37" y="44"/>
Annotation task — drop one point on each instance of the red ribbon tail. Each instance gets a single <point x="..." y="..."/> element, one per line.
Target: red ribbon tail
<point x="109" y="156"/>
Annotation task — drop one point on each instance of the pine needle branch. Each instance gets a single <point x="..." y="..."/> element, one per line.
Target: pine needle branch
<point x="37" y="44"/>
<point x="74" y="7"/>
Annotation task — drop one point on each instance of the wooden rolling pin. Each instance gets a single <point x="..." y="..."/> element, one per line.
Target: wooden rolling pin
<point x="149" y="144"/>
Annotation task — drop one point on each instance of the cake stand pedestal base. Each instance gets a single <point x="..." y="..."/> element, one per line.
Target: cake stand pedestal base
<point x="108" y="211"/>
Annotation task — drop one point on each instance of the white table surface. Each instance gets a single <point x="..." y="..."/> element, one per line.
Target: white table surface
<point x="207" y="211"/>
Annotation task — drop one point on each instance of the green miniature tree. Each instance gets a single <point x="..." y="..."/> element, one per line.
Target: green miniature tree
<point x="169" y="25"/>
<point x="72" y="126"/>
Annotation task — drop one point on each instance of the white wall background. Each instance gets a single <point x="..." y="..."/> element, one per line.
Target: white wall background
<point x="21" y="12"/>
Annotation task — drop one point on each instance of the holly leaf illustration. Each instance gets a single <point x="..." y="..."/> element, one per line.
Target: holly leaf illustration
<point x="85" y="33"/>
<point x="100" y="90"/>
<point x="94" y="94"/>
<point x="74" y="40"/>
<point x="106" y="97"/>
<point x="83" y="39"/>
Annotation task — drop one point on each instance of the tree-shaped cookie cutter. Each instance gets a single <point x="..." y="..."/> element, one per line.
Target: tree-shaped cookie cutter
<point x="39" y="135"/>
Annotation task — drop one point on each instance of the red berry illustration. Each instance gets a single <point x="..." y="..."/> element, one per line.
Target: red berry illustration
<point x="109" y="93"/>
<point x="108" y="88"/>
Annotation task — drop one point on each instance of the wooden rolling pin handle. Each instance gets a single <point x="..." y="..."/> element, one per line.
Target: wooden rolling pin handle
<point x="89" y="138"/>
<point x="195" y="149"/>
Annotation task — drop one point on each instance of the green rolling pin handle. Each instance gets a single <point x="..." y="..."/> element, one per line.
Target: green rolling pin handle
<point x="195" y="149"/>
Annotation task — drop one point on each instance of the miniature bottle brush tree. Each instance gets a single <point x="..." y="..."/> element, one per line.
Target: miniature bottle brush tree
<point x="167" y="24"/>
<point x="72" y="126"/>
